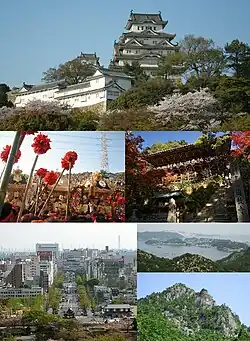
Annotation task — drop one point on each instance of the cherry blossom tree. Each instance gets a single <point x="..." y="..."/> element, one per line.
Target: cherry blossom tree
<point x="194" y="110"/>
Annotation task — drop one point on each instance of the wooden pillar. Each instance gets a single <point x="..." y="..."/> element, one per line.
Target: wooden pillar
<point x="239" y="194"/>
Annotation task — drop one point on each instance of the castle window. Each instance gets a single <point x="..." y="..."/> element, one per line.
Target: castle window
<point x="142" y="27"/>
<point x="138" y="28"/>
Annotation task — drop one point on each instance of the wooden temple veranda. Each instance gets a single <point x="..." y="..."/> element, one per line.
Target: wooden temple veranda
<point x="205" y="187"/>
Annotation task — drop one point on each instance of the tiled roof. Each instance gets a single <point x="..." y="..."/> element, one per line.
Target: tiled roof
<point x="47" y="86"/>
<point x="140" y="18"/>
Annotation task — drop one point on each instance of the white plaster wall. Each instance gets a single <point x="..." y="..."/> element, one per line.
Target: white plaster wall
<point x="142" y="27"/>
<point x="98" y="83"/>
<point x="47" y="96"/>
<point x="85" y="100"/>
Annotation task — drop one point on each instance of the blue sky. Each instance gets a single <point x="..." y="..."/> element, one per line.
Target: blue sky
<point x="86" y="144"/>
<point x="231" y="289"/>
<point x="151" y="137"/>
<point x="42" y="34"/>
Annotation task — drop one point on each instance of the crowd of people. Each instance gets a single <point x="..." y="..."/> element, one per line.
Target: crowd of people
<point x="93" y="213"/>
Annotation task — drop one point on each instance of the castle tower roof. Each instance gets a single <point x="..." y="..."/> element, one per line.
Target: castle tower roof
<point x="142" y="18"/>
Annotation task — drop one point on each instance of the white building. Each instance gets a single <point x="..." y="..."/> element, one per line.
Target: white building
<point x="145" y="42"/>
<point x="21" y="292"/>
<point x="98" y="90"/>
<point x="46" y="249"/>
<point x="47" y="267"/>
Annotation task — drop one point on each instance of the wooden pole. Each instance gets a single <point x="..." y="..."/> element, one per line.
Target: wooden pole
<point x="37" y="194"/>
<point x="8" y="169"/>
<point x="51" y="192"/>
<point x="27" y="188"/>
<point x="68" y="194"/>
<point x="4" y="167"/>
<point x="239" y="193"/>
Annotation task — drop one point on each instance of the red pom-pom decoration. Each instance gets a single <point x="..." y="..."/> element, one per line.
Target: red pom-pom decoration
<point x="69" y="159"/>
<point x="41" y="144"/>
<point x="50" y="178"/>
<point x="5" y="154"/>
<point x="41" y="172"/>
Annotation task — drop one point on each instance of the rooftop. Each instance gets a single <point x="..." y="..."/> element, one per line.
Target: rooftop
<point x="187" y="153"/>
<point x="140" y="18"/>
<point x="118" y="306"/>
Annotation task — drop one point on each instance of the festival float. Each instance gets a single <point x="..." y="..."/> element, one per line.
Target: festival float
<point x="44" y="193"/>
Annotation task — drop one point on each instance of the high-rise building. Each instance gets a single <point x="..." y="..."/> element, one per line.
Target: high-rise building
<point x="16" y="276"/>
<point x="145" y="42"/>
<point x="46" y="250"/>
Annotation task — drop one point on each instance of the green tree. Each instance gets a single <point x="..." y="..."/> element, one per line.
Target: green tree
<point x="136" y="72"/>
<point x="172" y="64"/>
<point x="85" y="301"/>
<point x="159" y="146"/>
<point x="233" y="94"/>
<point x="92" y="282"/>
<point x="238" y="58"/>
<point x="54" y="298"/>
<point x="128" y="119"/>
<point x="147" y="93"/>
<point x="4" y="102"/>
<point x="202" y="58"/>
<point x="73" y="72"/>
<point x="84" y="120"/>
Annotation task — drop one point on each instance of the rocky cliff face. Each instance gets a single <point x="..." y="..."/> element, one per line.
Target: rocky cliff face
<point x="194" y="314"/>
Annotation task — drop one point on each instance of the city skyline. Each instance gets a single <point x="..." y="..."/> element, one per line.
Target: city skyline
<point x="69" y="235"/>
<point x="87" y="144"/>
<point x="81" y="29"/>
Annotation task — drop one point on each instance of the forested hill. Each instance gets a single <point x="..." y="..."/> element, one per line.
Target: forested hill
<point x="235" y="262"/>
<point x="181" y="314"/>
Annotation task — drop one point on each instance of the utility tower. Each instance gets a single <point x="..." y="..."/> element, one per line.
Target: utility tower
<point x="104" y="145"/>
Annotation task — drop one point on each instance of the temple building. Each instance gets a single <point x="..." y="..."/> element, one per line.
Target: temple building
<point x="205" y="186"/>
<point x="144" y="42"/>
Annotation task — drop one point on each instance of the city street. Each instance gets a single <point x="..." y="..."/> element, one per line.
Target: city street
<point x="70" y="300"/>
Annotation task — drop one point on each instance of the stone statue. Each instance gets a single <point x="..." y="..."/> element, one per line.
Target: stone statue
<point x="172" y="216"/>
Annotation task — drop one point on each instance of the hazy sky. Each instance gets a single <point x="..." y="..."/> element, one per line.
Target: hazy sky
<point x="86" y="144"/>
<point x="25" y="236"/>
<point x="229" y="288"/>
<point x="38" y="35"/>
<point x="211" y="228"/>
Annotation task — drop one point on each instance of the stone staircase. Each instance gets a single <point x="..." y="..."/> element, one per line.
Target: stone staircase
<point x="220" y="208"/>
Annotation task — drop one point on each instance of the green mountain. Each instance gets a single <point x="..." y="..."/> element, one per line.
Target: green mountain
<point x="161" y="235"/>
<point x="181" y="314"/>
<point x="235" y="262"/>
<point x="147" y="262"/>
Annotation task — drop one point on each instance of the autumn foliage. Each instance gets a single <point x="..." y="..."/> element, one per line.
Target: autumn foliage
<point x="142" y="179"/>
<point x="241" y="142"/>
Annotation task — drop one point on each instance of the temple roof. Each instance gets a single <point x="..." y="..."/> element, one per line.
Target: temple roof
<point x="140" y="18"/>
<point x="89" y="55"/>
<point x="149" y="34"/>
<point x="42" y="87"/>
<point x="134" y="43"/>
<point x="187" y="153"/>
<point x="138" y="56"/>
